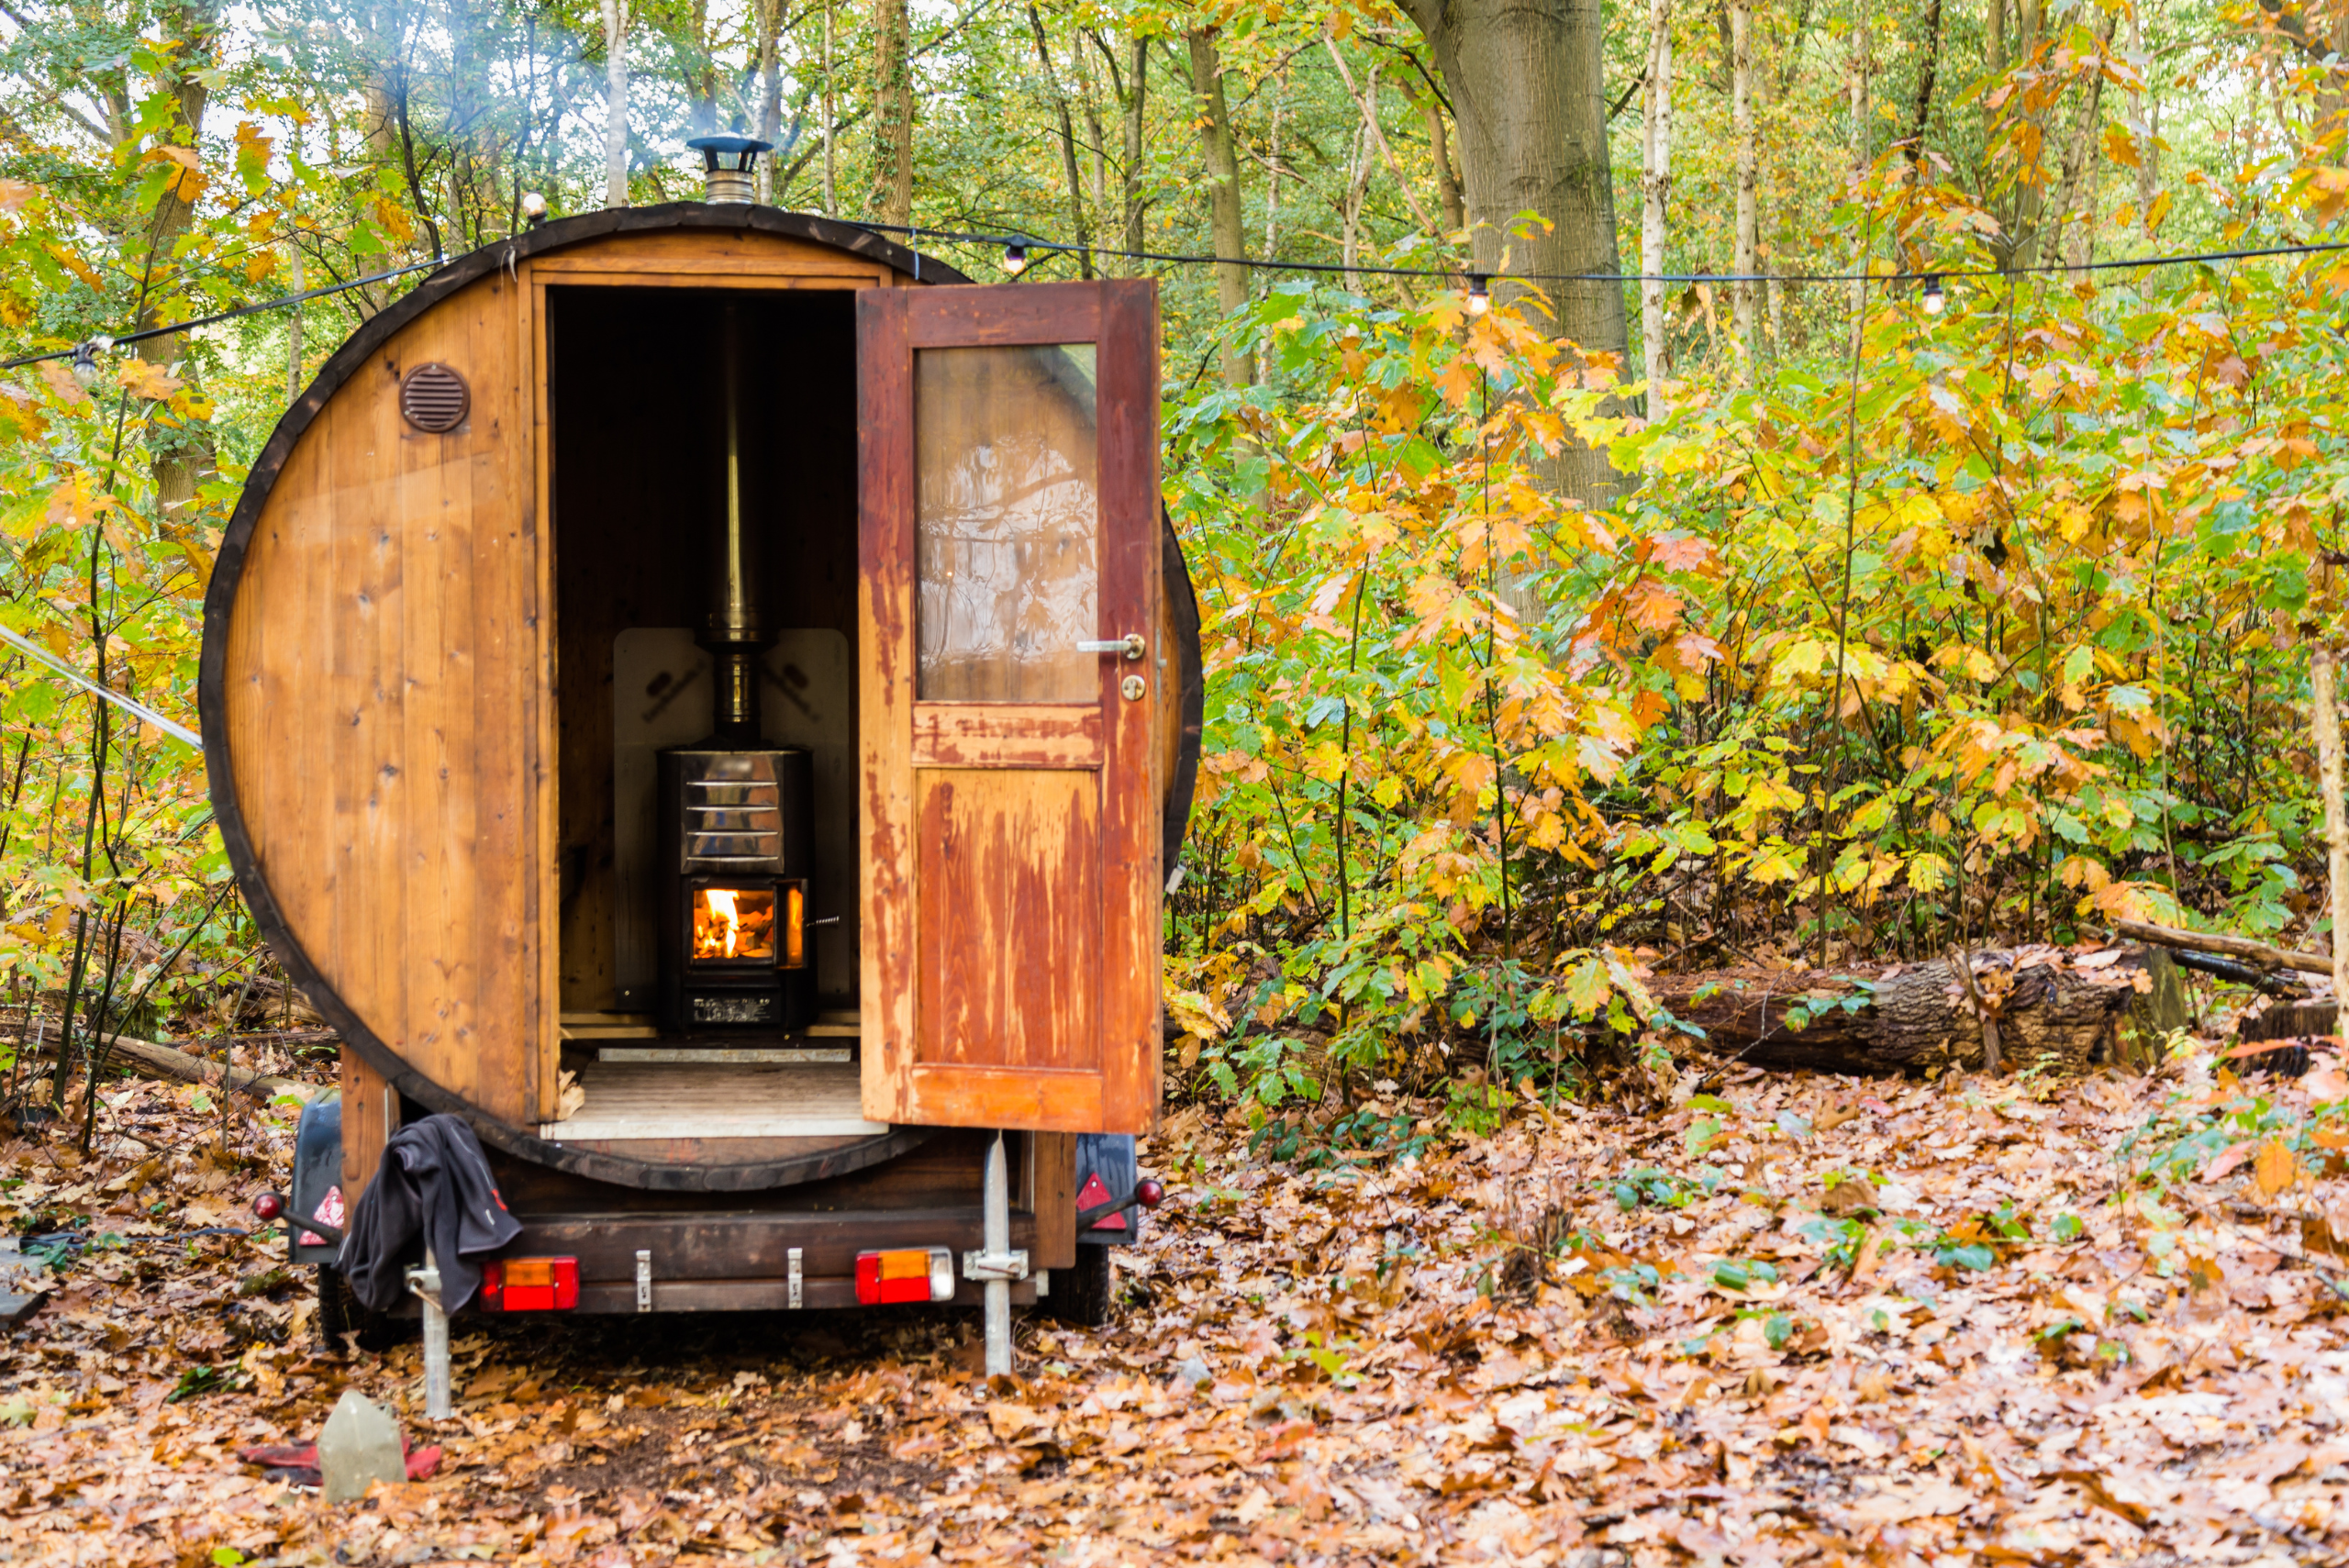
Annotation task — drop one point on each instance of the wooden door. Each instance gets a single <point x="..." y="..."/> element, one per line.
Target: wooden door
<point x="1009" y="517"/>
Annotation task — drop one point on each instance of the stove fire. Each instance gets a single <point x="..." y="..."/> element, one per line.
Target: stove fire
<point x="730" y="922"/>
<point x="737" y="813"/>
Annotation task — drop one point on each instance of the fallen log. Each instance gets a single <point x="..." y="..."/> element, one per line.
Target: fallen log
<point x="2038" y="1006"/>
<point x="162" y="1061"/>
<point x="2232" y="947"/>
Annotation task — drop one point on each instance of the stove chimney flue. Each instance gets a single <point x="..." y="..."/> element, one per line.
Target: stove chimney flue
<point x="726" y="162"/>
<point x="732" y="633"/>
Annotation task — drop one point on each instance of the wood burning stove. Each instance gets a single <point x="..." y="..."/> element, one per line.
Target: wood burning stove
<point x="737" y="821"/>
<point x="737" y="840"/>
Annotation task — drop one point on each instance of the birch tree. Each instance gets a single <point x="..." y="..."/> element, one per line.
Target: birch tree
<point x="1655" y="193"/>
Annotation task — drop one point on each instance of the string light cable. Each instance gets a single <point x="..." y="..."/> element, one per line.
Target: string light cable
<point x="1017" y="257"/>
<point x="84" y="353"/>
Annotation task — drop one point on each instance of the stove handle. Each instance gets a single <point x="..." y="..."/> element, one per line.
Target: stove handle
<point x="1131" y="645"/>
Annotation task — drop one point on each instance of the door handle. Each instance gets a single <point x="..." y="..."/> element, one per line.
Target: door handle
<point x="1131" y="645"/>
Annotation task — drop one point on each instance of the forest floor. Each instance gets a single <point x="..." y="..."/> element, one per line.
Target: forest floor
<point x="2062" y="1322"/>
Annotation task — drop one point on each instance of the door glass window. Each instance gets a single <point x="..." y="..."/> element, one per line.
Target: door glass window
<point x="1008" y="524"/>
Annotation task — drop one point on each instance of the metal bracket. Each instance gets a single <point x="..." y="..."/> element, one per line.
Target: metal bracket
<point x="983" y="1265"/>
<point x="792" y="1265"/>
<point x="644" y="1280"/>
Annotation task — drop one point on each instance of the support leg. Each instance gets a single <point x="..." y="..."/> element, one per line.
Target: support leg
<point x="997" y="1242"/>
<point x="426" y="1283"/>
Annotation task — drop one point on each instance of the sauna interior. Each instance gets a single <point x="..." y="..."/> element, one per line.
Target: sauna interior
<point x="636" y="452"/>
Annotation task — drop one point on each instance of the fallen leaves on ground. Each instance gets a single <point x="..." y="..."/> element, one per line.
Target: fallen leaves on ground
<point x="1780" y="1320"/>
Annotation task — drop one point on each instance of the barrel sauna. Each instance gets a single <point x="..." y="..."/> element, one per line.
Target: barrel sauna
<point x="710" y="696"/>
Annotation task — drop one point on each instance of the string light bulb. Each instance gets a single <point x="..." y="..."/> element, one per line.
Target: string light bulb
<point x="1935" y="298"/>
<point x="85" y="359"/>
<point x="1480" y="297"/>
<point x="1014" y="258"/>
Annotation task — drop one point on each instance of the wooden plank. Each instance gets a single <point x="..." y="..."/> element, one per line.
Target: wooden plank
<point x="495" y="476"/>
<point x="370" y="1116"/>
<point x="543" y="918"/>
<point x="1053" y="1188"/>
<point x="763" y="1296"/>
<point x="588" y="272"/>
<point x="1049" y="1099"/>
<point x="717" y="1245"/>
<point x="1006" y="735"/>
<point x="885" y="707"/>
<point x="1007" y="906"/>
<point x="1132" y="882"/>
<point x="1005" y="317"/>
<point x="743" y="252"/>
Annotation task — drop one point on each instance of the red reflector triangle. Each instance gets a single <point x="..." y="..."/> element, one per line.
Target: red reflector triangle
<point x="1094" y="1194"/>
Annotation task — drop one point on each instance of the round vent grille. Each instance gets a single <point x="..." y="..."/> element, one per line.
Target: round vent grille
<point x="433" y="399"/>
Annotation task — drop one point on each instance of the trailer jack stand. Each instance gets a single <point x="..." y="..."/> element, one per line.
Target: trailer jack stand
<point x="426" y="1283"/>
<point x="996" y="1264"/>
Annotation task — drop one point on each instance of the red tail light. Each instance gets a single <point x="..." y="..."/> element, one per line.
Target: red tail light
<point x="529" y="1285"/>
<point x="905" y="1273"/>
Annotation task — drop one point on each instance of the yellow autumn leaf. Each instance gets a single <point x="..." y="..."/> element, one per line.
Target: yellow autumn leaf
<point x="2274" y="1167"/>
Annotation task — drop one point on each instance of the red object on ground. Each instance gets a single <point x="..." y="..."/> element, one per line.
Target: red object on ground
<point x="300" y="1460"/>
<point x="269" y="1206"/>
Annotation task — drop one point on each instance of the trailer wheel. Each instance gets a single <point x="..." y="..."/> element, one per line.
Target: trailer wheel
<point x="1082" y="1296"/>
<point x="341" y="1313"/>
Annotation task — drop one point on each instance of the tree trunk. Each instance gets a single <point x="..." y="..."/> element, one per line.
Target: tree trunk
<point x="1528" y="100"/>
<point x="294" y="321"/>
<point x="1747" y="260"/>
<point x="1856" y="87"/>
<point x="1068" y="148"/>
<point x="180" y="459"/>
<point x="1447" y="177"/>
<point x="1223" y="192"/>
<point x="2039" y="1006"/>
<point x="1368" y="103"/>
<point x="892" y="196"/>
<point x="2325" y="710"/>
<point x="1136" y="103"/>
<point x="1927" y="70"/>
<point x="2031" y="193"/>
<point x="701" y="76"/>
<point x="1656" y="194"/>
<point x="2079" y="157"/>
<point x="2145" y="109"/>
<point x="770" y="121"/>
<point x="616" y="103"/>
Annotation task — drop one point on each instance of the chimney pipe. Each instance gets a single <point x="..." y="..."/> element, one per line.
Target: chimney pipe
<point x="726" y="162"/>
<point x="732" y="633"/>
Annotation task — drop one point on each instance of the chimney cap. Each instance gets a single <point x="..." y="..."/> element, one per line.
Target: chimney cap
<point x="728" y="152"/>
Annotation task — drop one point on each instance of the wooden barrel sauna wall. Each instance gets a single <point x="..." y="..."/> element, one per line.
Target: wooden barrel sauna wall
<point x="378" y="682"/>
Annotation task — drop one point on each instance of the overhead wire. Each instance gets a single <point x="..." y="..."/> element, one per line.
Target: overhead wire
<point x="1029" y="243"/>
<point x="1019" y="245"/>
<point x="255" y="308"/>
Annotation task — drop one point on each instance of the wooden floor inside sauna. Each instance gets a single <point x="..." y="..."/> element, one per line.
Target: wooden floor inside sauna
<point x="631" y="1101"/>
<point x="641" y="1085"/>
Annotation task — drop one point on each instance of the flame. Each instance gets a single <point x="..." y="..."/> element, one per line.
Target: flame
<point x="721" y="905"/>
<point x="731" y="923"/>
